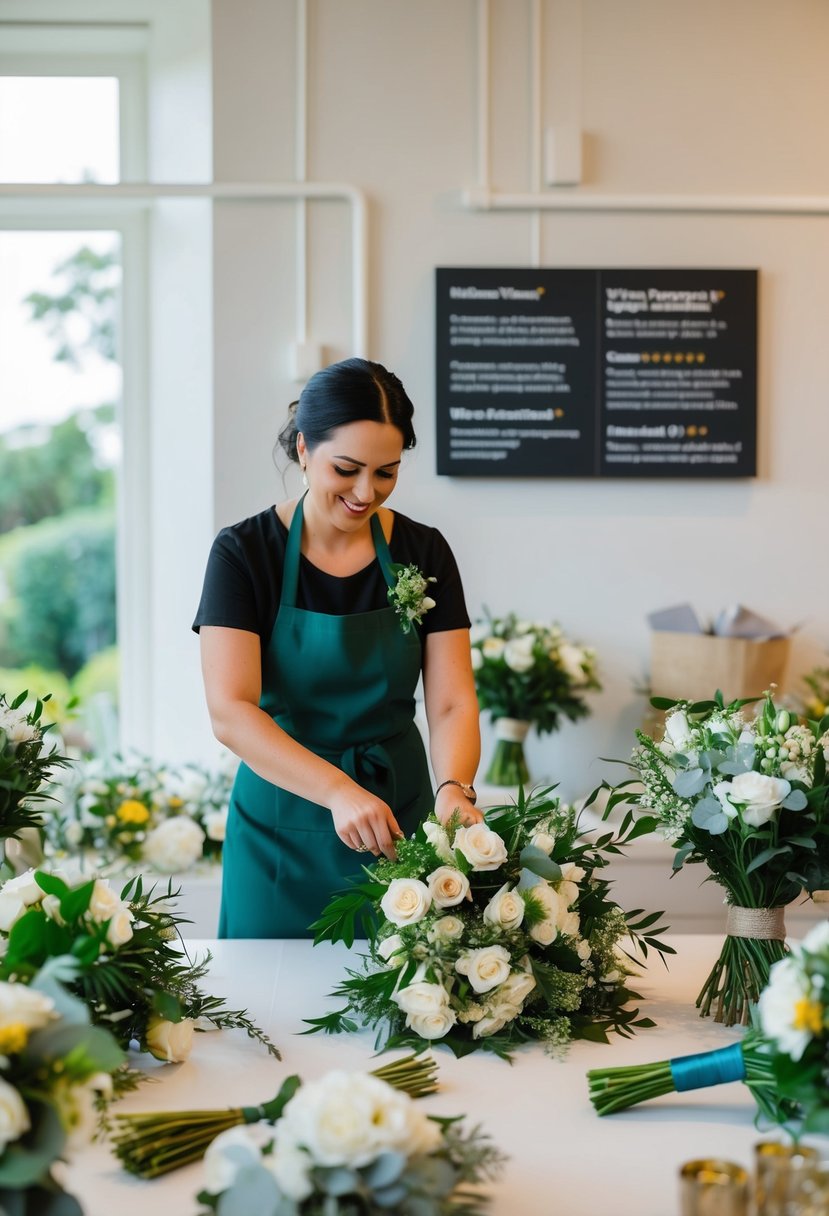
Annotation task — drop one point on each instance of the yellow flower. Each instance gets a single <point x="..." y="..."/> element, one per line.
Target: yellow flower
<point x="808" y="1015"/>
<point x="132" y="811"/>
<point x="175" y="802"/>
<point x="816" y="708"/>
<point x="13" y="1038"/>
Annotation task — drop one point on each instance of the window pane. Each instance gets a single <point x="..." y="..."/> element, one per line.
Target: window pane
<point x="60" y="387"/>
<point x="59" y="129"/>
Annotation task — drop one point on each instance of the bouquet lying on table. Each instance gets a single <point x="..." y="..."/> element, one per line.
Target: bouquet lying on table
<point x="748" y="799"/>
<point x="783" y="1058"/>
<point x="54" y="1069"/>
<point x="348" y="1144"/>
<point x="492" y="935"/>
<point x="131" y="975"/>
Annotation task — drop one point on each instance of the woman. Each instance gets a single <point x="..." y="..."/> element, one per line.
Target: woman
<point x="310" y="676"/>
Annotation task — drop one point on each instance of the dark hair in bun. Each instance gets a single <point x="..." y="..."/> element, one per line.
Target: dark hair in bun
<point x="352" y="391"/>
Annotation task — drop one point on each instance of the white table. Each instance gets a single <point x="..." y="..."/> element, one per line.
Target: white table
<point x="563" y="1157"/>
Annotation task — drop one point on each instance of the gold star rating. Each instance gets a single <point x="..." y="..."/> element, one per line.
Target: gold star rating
<point x="679" y="357"/>
<point x="691" y="432"/>
<point x="700" y="357"/>
<point x="667" y="357"/>
<point x="703" y="430"/>
<point x="558" y="413"/>
<point x="656" y="357"/>
<point x="645" y="357"/>
<point x="541" y="290"/>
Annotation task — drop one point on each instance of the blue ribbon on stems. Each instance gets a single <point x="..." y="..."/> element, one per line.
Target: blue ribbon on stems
<point x="708" y="1068"/>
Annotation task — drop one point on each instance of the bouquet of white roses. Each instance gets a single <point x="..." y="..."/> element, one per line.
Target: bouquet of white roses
<point x="783" y="1058"/>
<point x="130" y="810"/>
<point x="749" y="800"/>
<point x="491" y="936"/>
<point x="345" y="1144"/>
<point x="527" y="674"/>
<point x="131" y="975"/>
<point x="26" y="764"/>
<point x="54" y="1069"/>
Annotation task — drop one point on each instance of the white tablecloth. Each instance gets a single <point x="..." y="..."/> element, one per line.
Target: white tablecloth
<point x="562" y="1157"/>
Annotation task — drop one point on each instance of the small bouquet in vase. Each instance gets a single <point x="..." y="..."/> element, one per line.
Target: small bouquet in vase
<point x="783" y="1058"/>
<point x="749" y="800"/>
<point x="527" y="674"/>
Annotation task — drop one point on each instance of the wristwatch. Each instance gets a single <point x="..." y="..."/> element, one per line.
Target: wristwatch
<point x="468" y="791"/>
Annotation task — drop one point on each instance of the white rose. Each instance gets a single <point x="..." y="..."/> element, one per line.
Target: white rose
<point x="568" y="892"/>
<point x="14" y="1116"/>
<point x="104" y="902"/>
<point x="390" y="946"/>
<point x="189" y="785"/>
<point x="486" y="967"/>
<point x="572" y="872"/>
<point x="494" y="1021"/>
<point x="446" y="929"/>
<point x="478" y="633"/>
<point x="493" y="648"/>
<point x="516" y="988"/>
<point x="11" y="910"/>
<point x="584" y="950"/>
<point x="571" y="659"/>
<point x="518" y="654"/>
<point x="23" y="1006"/>
<point x="291" y="1167"/>
<point x="759" y="795"/>
<point x="570" y="924"/>
<point x="19" y="731"/>
<point x="230" y="1152"/>
<point x="447" y="886"/>
<point x="506" y="908"/>
<point x="432" y="1025"/>
<point x="482" y="848"/>
<point x="347" y="1119"/>
<point x="51" y="906"/>
<point x="25" y="887"/>
<point x="170" y="1041"/>
<point x="73" y="834"/>
<point x="119" y="929"/>
<point x="421" y="997"/>
<point x="472" y="1013"/>
<point x="439" y="840"/>
<point x="778" y="1004"/>
<point x="406" y="901"/>
<point x="175" y="845"/>
<point x="555" y="910"/>
<point x="678" y="730"/>
<point x="216" y="825"/>
<point x="543" y="841"/>
<point x="477" y="659"/>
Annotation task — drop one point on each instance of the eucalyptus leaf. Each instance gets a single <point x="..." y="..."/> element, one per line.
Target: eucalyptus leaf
<point x="390" y="1196"/>
<point x="255" y="1190"/>
<point x="709" y="815"/>
<point x="535" y="859"/>
<point x="384" y="1170"/>
<point x="795" y="801"/>
<point x="338" y="1180"/>
<point x="689" y="782"/>
<point x="681" y="854"/>
<point x="527" y="880"/>
<point x="26" y="1161"/>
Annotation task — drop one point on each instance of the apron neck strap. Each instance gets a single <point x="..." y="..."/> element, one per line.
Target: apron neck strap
<point x="293" y="548"/>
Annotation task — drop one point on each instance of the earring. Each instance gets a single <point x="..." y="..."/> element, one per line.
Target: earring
<point x="304" y="477"/>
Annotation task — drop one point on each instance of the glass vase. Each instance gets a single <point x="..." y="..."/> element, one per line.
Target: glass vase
<point x="508" y="765"/>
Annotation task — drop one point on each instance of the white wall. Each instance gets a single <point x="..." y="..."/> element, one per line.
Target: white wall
<point x="714" y="97"/>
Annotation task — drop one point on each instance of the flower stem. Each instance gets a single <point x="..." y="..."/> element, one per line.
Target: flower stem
<point x="508" y="765"/>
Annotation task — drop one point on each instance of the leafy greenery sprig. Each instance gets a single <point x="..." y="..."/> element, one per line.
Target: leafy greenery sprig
<point x="26" y="763"/>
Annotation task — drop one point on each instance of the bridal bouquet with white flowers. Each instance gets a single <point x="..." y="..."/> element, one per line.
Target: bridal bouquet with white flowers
<point x="54" y="1070"/>
<point x="130" y="810"/>
<point x="492" y="935"/>
<point x="131" y="975"/>
<point x="527" y="674"/>
<point x="26" y="763"/>
<point x="349" y="1143"/>
<point x="748" y="799"/>
<point x="783" y="1058"/>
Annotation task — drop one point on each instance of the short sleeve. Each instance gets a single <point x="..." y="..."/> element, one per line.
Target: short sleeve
<point x="449" y="611"/>
<point x="228" y="596"/>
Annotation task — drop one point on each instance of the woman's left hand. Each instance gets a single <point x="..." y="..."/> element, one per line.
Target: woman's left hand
<point x="451" y="799"/>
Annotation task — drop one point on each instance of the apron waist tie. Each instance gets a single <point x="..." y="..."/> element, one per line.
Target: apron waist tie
<point x="370" y="765"/>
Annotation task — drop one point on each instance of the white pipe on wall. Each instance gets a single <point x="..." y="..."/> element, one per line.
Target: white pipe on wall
<point x="144" y="193"/>
<point x="484" y="88"/>
<point x="301" y="169"/>
<point x="536" y="104"/>
<point x="585" y="200"/>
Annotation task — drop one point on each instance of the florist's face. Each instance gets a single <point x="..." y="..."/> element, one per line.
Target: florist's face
<point x="352" y="473"/>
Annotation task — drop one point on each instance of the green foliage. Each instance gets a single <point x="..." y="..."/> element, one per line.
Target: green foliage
<point x="86" y="294"/>
<point x="48" y="470"/>
<point x="62" y="579"/>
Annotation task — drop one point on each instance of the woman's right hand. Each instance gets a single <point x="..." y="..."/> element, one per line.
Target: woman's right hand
<point x="365" y="823"/>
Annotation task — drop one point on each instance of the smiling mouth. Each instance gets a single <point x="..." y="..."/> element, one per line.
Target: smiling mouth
<point x="353" y="508"/>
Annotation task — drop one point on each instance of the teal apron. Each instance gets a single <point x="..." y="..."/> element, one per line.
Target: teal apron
<point x="342" y="686"/>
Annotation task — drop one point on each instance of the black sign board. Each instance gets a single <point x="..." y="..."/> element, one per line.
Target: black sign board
<point x="596" y="373"/>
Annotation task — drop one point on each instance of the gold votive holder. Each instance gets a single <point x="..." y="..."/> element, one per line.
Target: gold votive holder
<point x="713" y="1187"/>
<point x="785" y="1175"/>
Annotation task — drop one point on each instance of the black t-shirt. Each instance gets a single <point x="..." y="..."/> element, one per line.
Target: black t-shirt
<point x="243" y="581"/>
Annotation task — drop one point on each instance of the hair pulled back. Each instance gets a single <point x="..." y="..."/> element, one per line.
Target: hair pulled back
<point x="354" y="390"/>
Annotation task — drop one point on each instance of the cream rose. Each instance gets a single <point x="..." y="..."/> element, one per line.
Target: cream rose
<point x="170" y="1041"/>
<point x="506" y="908"/>
<point x="447" y="886"/>
<point x="14" y="1116"/>
<point x="584" y="950"/>
<point x="495" y="1020"/>
<point x="485" y="968"/>
<point x="570" y="924"/>
<point x="406" y="901"/>
<point x="216" y="825"/>
<point x="25" y="887"/>
<point x="291" y="1167"/>
<point x="175" y="845"/>
<point x="516" y="988"/>
<point x="554" y="910"/>
<point x="421" y="997"/>
<point x="518" y="654"/>
<point x="543" y="841"/>
<point x="439" y="840"/>
<point x="493" y="648"/>
<point x="572" y="658"/>
<point x="432" y="1025"/>
<point x="119" y="929"/>
<point x="446" y="929"/>
<point x="347" y="1119"/>
<point x="389" y="947"/>
<point x="759" y="796"/>
<point x="482" y="848"/>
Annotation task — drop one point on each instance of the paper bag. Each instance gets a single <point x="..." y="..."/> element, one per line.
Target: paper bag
<point x="693" y="666"/>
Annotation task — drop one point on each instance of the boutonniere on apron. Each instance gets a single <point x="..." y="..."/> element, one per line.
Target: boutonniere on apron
<point x="408" y="595"/>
